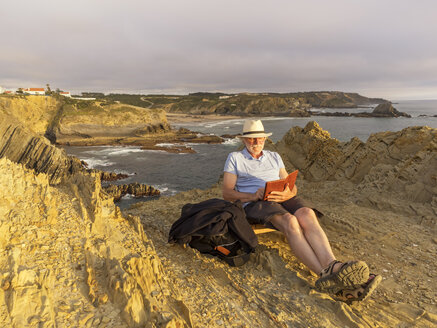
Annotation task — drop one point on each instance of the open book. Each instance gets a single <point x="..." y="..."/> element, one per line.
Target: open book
<point x="279" y="185"/>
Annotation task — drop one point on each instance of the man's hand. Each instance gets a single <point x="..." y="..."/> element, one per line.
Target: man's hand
<point x="282" y="196"/>
<point x="259" y="194"/>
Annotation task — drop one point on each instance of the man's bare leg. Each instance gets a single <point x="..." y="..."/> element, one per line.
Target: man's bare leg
<point x="289" y="225"/>
<point x="315" y="236"/>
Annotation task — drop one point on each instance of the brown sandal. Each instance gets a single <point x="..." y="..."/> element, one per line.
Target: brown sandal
<point x="361" y="293"/>
<point x="350" y="275"/>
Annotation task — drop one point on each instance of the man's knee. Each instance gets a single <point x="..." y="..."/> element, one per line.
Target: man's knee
<point x="307" y="217"/>
<point x="287" y="223"/>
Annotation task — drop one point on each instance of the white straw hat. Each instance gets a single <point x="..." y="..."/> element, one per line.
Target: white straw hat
<point x="254" y="129"/>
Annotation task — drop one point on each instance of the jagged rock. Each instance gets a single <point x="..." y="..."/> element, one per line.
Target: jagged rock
<point x="21" y="145"/>
<point x="108" y="176"/>
<point x="404" y="162"/>
<point x="298" y="112"/>
<point x="68" y="257"/>
<point x="135" y="189"/>
<point x="387" y="110"/>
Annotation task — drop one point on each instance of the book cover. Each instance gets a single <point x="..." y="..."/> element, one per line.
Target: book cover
<point x="279" y="185"/>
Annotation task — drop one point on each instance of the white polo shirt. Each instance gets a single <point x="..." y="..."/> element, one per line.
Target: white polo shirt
<point x="253" y="173"/>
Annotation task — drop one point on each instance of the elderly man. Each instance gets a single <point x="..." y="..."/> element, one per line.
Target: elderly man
<point x="245" y="175"/>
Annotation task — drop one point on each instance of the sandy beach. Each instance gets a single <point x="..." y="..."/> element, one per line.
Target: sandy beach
<point x="174" y="118"/>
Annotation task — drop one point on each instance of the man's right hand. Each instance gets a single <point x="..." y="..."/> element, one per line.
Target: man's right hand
<point x="259" y="194"/>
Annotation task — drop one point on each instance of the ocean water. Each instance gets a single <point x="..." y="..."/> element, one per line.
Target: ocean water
<point x="172" y="173"/>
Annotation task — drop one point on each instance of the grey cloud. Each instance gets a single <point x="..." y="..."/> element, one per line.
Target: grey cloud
<point x="213" y="45"/>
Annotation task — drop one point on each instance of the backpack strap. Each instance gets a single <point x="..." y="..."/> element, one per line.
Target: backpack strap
<point x="236" y="260"/>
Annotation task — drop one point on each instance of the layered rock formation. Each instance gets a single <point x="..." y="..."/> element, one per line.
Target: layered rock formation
<point x="134" y="189"/>
<point x="103" y="123"/>
<point x="20" y="144"/>
<point x="68" y="257"/>
<point x="35" y="112"/>
<point x="390" y="165"/>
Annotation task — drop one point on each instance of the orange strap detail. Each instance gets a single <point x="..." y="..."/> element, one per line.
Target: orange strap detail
<point x="223" y="250"/>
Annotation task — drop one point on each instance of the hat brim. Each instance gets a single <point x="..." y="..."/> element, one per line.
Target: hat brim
<point x="255" y="135"/>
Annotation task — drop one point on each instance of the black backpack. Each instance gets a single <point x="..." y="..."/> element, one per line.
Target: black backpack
<point x="226" y="246"/>
<point x="216" y="227"/>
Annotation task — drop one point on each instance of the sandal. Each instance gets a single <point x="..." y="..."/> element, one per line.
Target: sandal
<point x="350" y="275"/>
<point x="361" y="293"/>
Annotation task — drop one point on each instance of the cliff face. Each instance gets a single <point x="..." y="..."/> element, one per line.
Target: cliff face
<point x="21" y="145"/>
<point x="36" y="112"/>
<point x="65" y="120"/>
<point x="69" y="257"/>
<point x="248" y="103"/>
<point x="241" y="104"/>
<point x="95" y="120"/>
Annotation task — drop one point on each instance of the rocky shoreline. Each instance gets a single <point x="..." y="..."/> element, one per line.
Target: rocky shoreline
<point x="69" y="257"/>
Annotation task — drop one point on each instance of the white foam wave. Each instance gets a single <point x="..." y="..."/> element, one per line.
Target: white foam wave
<point x="123" y="172"/>
<point x="168" y="145"/>
<point x="112" y="151"/>
<point x="124" y="151"/>
<point x="128" y="196"/>
<point x="94" y="162"/>
<point x="164" y="189"/>
<point x="224" y="122"/>
<point x="231" y="141"/>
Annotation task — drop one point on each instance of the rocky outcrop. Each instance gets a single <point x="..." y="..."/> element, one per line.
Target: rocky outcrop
<point x="392" y="165"/>
<point x="387" y="110"/>
<point x="99" y="121"/>
<point x="297" y="112"/>
<point x="135" y="189"/>
<point x="21" y="145"/>
<point x="382" y="110"/>
<point x="35" y="112"/>
<point x="68" y="258"/>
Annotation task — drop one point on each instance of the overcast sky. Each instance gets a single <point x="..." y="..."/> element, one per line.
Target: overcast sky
<point x="376" y="48"/>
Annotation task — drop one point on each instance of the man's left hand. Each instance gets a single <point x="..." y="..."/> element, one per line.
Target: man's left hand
<point x="282" y="196"/>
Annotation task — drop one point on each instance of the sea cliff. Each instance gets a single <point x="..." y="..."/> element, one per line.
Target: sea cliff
<point x="70" y="257"/>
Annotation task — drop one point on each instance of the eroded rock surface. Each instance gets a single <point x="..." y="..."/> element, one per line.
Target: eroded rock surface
<point x="68" y="258"/>
<point x="390" y="170"/>
<point x="134" y="189"/>
<point x="21" y="145"/>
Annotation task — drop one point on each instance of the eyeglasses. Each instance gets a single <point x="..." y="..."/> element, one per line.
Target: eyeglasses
<point x="255" y="140"/>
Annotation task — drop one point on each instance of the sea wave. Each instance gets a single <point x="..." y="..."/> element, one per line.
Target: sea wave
<point x="118" y="171"/>
<point x="95" y="162"/>
<point x="165" y="190"/>
<point x="113" y="151"/>
<point x="168" y="145"/>
<point x="232" y="142"/>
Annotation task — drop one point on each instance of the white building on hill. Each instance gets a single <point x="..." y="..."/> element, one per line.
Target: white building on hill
<point x="65" y="93"/>
<point x="34" y="91"/>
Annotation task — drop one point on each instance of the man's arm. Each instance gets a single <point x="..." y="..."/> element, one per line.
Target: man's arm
<point x="230" y="194"/>
<point x="282" y="196"/>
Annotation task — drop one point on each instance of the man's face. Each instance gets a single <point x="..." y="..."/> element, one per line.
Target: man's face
<point x="254" y="145"/>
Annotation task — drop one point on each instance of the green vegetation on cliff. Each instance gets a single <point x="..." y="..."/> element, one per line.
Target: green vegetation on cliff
<point x="245" y="103"/>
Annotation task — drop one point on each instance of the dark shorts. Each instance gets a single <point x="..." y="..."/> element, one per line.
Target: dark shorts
<point x="261" y="212"/>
